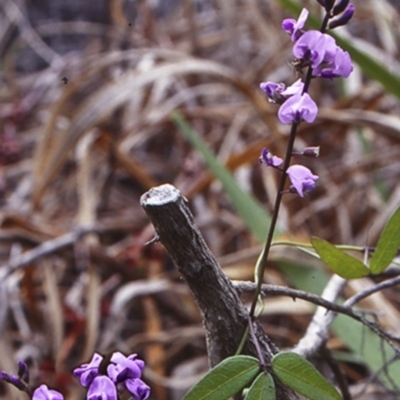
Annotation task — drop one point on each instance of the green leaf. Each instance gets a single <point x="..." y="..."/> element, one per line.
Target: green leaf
<point x="263" y="388"/>
<point x="388" y="245"/>
<point x="338" y="261"/>
<point x="226" y="379"/>
<point x="249" y="209"/>
<point x="300" y="375"/>
<point x="371" y="67"/>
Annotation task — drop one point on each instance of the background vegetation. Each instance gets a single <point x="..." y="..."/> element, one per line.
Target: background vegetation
<point x="86" y="96"/>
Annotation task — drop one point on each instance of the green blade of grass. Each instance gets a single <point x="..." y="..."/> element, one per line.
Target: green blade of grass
<point x="248" y="208"/>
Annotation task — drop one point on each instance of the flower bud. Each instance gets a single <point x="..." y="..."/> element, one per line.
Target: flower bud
<point x="14" y="380"/>
<point x="269" y="159"/>
<point x="312" y="151"/>
<point x="23" y="371"/>
<point x="344" y="18"/>
<point x="340" y="7"/>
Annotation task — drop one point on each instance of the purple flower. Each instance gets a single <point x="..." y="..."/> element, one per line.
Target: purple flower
<point x="269" y="159"/>
<point x="293" y="27"/>
<point x="278" y="93"/>
<point x="102" y="388"/>
<point x="273" y="91"/>
<point x="87" y="372"/>
<point x="138" y="388"/>
<point x="298" y="108"/>
<point x="314" y="47"/>
<point x="326" y="58"/>
<point x="122" y="368"/>
<point x="303" y="180"/>
<point x="44" y="393"/>
<point x="338" y="65"/>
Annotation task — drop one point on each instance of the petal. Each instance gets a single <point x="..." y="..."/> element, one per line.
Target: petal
<point x="273" y="91"/>
<point x="138" y="389"/>
<point x="44" y="393"/>
<point x="102" y="388"/>
<point x="122" y="368"/>
<point x="23" y="371"/>
<point x="87" y="372"/>
<point x="269" y="159"/>
<point x="288" y="25"/>
<point x="298" y="108"/>
<point x="295" y="88"/>
<point x="293" y="27"/>
<point x="302" y="19"/>
<point x="302" y="178"/>
<point x="269" y="88"/>
<point x="315" y="47"/>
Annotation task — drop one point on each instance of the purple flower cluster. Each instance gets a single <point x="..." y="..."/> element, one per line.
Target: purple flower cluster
<point x="316" y="50"/>
<point x="122" y="372"/>
<point x="325" y="59"/>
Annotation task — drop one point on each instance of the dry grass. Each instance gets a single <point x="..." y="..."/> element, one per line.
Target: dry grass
<point x="84" y="137"/>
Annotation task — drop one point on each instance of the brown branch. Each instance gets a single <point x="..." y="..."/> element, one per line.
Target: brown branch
<point x="224" y="315"/>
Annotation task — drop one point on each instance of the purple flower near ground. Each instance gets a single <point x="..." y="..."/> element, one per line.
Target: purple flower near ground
<point x="298" y="108"/>
<point x="122" y="368"/>
<point x="303" y="180"/>
<point x="44" y="393"/>
<point x="293" y="27"/>
<point x="269" y="159"/>
<point x="102" y="388"/>
<point x="137" y="388"/>
<point x="87" y="372"/>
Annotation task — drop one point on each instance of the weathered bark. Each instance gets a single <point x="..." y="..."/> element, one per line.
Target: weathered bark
<point x="224" y="316"/>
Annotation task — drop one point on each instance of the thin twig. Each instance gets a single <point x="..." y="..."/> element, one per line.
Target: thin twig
<point x="371" y="290"/>
<point x="49" y="247"/>
<point x="298" y="294"/>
